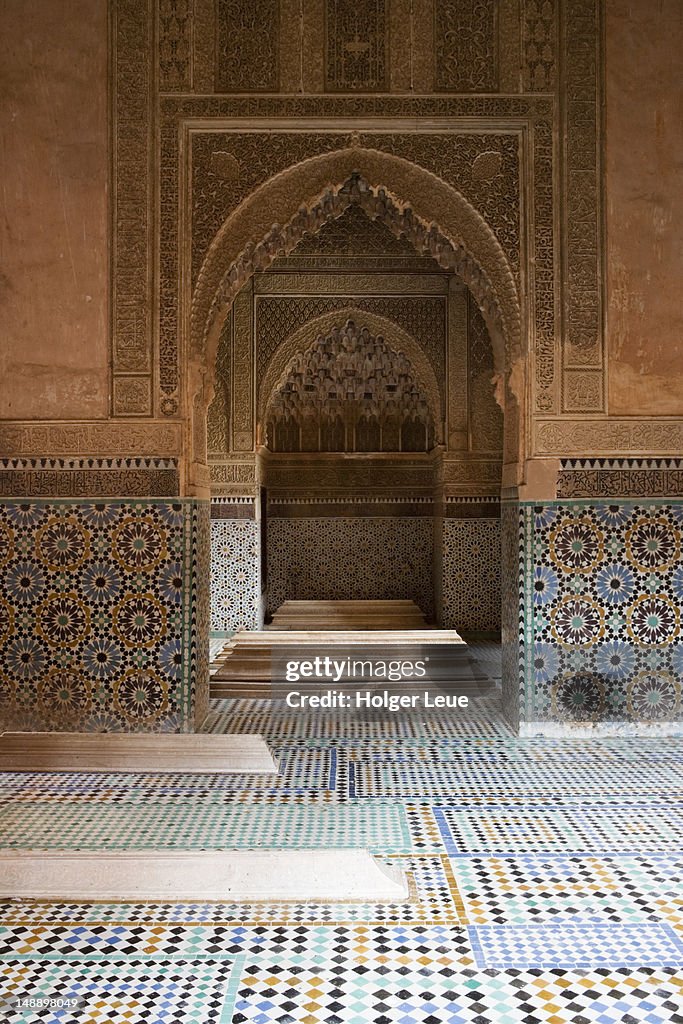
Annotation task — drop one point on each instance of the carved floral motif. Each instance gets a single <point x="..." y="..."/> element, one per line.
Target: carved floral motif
<point x="466" y="46"/>
<point x="247" y="45"/>
<point x="356" y="46"/>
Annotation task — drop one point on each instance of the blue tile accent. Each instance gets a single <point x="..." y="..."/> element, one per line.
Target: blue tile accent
<point x="575" y="944"/>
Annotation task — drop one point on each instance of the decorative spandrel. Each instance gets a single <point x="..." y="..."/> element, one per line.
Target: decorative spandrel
<point x="349" y="392"/>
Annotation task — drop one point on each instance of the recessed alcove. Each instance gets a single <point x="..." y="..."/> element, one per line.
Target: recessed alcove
<point x="378" y="431"/>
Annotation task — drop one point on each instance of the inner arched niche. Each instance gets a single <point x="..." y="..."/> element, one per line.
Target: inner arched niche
<point x="413" y="524"/>
<point x="349" y="392"/>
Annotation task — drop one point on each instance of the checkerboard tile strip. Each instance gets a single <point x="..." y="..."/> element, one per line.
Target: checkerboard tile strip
<point x="574" y="944"/>
<point x="122" y="991"/>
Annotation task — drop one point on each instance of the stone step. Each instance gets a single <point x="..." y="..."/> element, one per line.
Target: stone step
<point x="351" y="637"/>
<point x="228" y="689"/>
<point x="334" y="627"/>
<point x="245" y="666"/>
<point x="351" y="613"/>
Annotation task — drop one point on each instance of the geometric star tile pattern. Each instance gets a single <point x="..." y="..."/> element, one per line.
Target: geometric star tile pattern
<point x="603" y="636"/>
<point x="234" y="574"/>
<point x="96" y="614"/>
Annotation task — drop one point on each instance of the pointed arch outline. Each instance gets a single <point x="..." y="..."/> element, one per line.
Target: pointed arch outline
<point x="438" y="219"/>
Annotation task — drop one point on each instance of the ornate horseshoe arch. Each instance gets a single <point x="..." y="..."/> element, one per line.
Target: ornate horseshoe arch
<point x="438" y="219"/>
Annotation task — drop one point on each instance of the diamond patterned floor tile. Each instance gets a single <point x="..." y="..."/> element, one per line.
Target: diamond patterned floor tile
<point x="546" y="881"/>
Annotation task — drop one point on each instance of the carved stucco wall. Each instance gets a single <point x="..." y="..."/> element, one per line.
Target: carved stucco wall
<point x="417" y="307"/>
<point x="475" y="420"/>
<point x="226" y="167"/>
<point x="523" y="52"/>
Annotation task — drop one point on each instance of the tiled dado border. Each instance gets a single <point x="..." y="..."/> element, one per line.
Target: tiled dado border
<point x="620" y="478"/>
<point x="601" y="631"/>
<point x="103" y="615"/>
<point x="89" y="477"/>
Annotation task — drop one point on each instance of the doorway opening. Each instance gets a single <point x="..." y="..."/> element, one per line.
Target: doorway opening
<point x="378" y="434"/>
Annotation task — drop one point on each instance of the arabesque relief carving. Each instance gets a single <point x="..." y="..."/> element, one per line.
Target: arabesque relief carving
<point x="451" y="155"/>
<point x="175" y="45"/>
<point x="617" y="478"/>
<point x="581" y="187"/>
<point x="247" y="46"/>
<point x="330" y="282"/>
<point x="485" y="415"/>
<point x="446" y="152"/>
<point x="218" y="415"/>
<point x="92" y="438"/>
<point x="132" y="140"/>
<point x="476" y="476"/>
<point x="356" y="46"/>
<point x="353" y="233"/>
<point x="86" y="477"/>
<point x="560" y="51"/>
<point x="539" y="41"/>
<point x="499" y="304"/>
<point x="466" y="46"/>
<point x="605" y="436"/>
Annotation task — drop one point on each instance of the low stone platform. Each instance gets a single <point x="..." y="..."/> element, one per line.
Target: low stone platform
<point x="345" y="615"/>
<point x="245" y="666"/>
<point x="134" y="752"/>
<point x="233" y="875"/>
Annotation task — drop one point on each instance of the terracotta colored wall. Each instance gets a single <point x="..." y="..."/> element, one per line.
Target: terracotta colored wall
<point x="644" y="154"/>
<point x="53" y="209"/>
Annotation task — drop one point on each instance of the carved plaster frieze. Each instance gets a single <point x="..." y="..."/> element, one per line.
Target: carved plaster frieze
<point x="369" y="282"/>
<point x="587" y="437"/>
<point x="91" y="438"/>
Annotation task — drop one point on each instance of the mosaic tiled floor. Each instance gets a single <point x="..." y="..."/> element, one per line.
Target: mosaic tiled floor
<point x="545" y="879"/>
